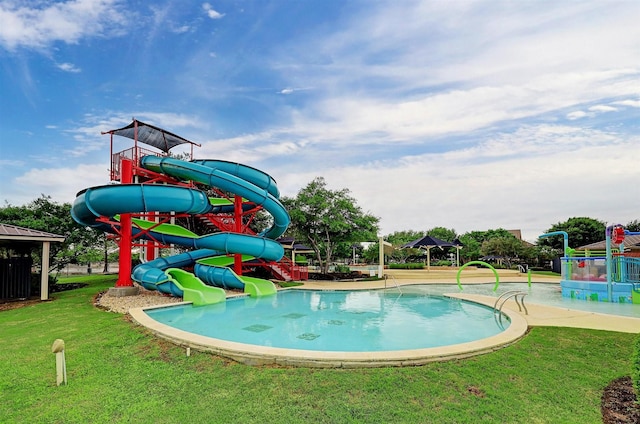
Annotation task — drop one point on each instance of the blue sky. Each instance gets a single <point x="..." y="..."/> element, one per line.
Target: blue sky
<point x="470" y="115"/>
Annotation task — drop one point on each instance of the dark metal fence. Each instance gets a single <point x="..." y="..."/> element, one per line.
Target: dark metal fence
<point x="15" y="278"/>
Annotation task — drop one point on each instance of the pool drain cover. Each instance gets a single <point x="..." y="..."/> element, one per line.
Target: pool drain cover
<point x="257" y="328"/>
<point x="308" y="336"/>
<point x="293" y="315"/>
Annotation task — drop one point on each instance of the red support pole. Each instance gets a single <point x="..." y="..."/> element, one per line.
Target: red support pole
<point x="237" y="212"/>
<point x="124" y="273"/>
<point x="150" y="245"/>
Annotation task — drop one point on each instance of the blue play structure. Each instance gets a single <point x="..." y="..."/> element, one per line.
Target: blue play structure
<point x="612" y="275"/>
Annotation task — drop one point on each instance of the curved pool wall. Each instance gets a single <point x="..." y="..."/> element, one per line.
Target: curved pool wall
<point x="264" y="355"/>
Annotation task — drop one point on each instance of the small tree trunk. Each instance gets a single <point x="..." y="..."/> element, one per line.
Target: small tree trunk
<point x="319" y="259"/>
<point x="329" y="252"/>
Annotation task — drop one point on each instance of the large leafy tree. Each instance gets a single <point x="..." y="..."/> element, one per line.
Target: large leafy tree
<point x="446" y="234"/>
<point x="474" y="240"/>
<point x="509" y="248"/>
<point x="581" y="231"/>
<point x="42" y="214"/>
<point x="323" y="218"/>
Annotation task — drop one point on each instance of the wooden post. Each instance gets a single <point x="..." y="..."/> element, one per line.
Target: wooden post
<point x="44" y="276"/>
<point x="61" y="365"/>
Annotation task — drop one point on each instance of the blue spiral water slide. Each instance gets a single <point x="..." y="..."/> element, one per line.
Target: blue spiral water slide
<point x="164" y="274"/>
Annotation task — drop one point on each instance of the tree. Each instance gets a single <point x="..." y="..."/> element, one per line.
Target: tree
<point x="473" y="241"/>
<point x="324" y="218"/>
<point x="372" y="253"/>
<point x="581" y="231"/>
<point x="397" y="239"/>
<point x="442" y="233"/>
<point x="633" y="226"/>
<point x="44" y="215"/>
<point x="509" y="248"/>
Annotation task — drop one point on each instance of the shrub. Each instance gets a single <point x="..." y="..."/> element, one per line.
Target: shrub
<point x="35" y="283"/>
<point x="342" y="269"/>
<point x="443" y="262"/>
<point x="285" y="284"/>
<point x="411" y="265"/>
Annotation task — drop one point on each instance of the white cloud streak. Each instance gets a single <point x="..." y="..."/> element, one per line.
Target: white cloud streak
<point x="211" y="13"/>
<point x="39" y="24"/>
<point x="69" y="67"/>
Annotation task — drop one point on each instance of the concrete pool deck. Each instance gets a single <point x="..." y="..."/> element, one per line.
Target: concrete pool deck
<point x="538" y="315"/>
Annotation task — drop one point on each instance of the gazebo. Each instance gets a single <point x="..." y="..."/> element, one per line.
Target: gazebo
<point x="428" y="242"/>
<point x="15" y="265"/>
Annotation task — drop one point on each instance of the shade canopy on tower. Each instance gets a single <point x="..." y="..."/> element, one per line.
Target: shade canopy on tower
<point x="151" y="135"/>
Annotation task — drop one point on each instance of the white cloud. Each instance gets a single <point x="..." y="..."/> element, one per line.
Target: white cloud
<point x="68" y="67"/>
<point x="62" y="184"/>
<point x="602" y="108"/>
<point x="181" y="29"/>
<point x="211" y="12"/>
<point x="31" y="26"/>
<point x="631" y="103"/>
<point x="10" y="162"/>
<point x="531" y="189"/>
<point x="578" y="114"/>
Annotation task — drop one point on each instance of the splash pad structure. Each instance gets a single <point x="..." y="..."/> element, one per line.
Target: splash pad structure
<point x="609" y="276"/>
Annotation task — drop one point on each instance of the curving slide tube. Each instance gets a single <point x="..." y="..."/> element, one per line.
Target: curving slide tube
<point x="164" y="274"/>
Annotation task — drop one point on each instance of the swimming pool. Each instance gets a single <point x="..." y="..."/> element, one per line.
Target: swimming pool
<point x="355" y="321"/>
<point x="337" y="328"/>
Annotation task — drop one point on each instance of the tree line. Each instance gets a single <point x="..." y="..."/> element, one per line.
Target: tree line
<point x="330" y="222"/>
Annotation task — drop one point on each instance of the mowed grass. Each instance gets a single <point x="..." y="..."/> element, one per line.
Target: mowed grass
<point x="119" y="373"/>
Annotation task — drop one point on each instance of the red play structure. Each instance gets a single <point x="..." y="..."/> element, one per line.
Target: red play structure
<point x="234" y="214"/>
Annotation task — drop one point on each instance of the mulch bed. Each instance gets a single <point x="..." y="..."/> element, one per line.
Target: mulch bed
<point x="619" y="403"/>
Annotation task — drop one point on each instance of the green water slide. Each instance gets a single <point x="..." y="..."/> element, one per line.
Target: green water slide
<point x="218" y="268"/>
<point x="194" y="290"/>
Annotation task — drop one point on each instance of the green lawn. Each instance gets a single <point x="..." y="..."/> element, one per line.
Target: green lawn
<point x="119" y="373"/>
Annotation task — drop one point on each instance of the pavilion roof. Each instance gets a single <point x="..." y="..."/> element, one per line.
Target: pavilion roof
<point x="151" y="135"/>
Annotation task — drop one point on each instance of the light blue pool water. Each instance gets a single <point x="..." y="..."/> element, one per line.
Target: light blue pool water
<point x="346" y="321"/>
<point x="542" y="293"/>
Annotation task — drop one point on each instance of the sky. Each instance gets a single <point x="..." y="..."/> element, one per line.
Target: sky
<point x="469" y="115"/>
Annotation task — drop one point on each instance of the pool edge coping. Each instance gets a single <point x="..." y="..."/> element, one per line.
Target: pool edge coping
<point x="262" y="355"/>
